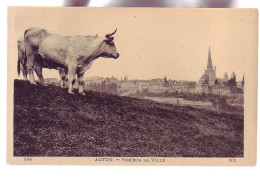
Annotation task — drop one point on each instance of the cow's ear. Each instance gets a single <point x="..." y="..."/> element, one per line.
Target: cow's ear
<point x="109" y="40"/>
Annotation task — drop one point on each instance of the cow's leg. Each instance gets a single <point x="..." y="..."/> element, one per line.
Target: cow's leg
<point x="80" y="82"/>
<point x="62" y="76"/>
<point x="25" y="73"/>
<point x="38" y="70"/>
<point x="72" y="69"/>
<point x="30" y="54"/>
<point x="24" y="69"/>
<point x="66" y="75"/>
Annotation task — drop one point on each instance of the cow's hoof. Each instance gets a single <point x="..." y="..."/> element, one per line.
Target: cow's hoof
<point x="70" y="92"/>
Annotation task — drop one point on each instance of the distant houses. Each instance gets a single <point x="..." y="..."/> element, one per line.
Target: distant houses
<point x="127" y="86"/>
<point x="154" y="84"/>
<point x="94" y="80"/>
<point x="182" y="86"/>
<point x="208" y="83"/>
<point x="220" y="90"/>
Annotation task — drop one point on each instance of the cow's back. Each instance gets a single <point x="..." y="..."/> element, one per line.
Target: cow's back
<point x="34" y="36"/>
<point x="84" y="46"/>
<point x="54" y="49"/>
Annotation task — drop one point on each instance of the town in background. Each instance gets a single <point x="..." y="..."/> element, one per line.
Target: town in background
<point x="209" y="90"/>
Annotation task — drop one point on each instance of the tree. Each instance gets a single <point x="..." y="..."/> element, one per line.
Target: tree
<point x="165" y="81"/>
<point x="103" y="86"/>
<point x="232" y="82"/>
<point x="243" y="81"/>
<point x="145" y="91"/>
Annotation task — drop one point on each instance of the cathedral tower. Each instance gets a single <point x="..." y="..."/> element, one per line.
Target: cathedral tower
<point x="209" y="66"/>
<point x="210" y="72"/>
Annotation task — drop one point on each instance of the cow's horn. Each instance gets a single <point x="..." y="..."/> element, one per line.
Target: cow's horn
<point x="108" y="35"/>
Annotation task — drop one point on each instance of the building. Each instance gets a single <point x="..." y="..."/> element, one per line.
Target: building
<point x="225" y="76"/>
<point x="191" y="87"/>
<point x="209" y="83"/>
<point x="112" y="80"/>
<point x="223" y="80"/>
<point x="156" y="84"/>
<point x="141" y="85"/>
<point x="94" y="80"/>
<point x="240" y="84"/>
<point x="209" y="75"/>
<point x="127" y="85"/>
<point x="233" y="75"/>
<point x="220" y="90"/>
<point x="179" y="87"/>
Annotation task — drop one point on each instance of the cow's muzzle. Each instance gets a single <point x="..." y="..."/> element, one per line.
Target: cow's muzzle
<point x="116" y="56"/>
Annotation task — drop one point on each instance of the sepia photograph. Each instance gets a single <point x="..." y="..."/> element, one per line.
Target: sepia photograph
<point x="132" y="86"/>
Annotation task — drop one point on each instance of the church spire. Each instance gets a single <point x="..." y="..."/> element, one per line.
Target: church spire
<point x="209" y="66"/>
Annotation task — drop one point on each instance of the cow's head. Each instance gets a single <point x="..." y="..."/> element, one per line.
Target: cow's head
<point x="108" y="47"/>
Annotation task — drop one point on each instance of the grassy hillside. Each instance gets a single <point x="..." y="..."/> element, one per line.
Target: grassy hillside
<point x="50" y="122"/>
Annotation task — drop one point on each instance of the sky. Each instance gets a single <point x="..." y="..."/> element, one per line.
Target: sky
<point x="154" y="43"/>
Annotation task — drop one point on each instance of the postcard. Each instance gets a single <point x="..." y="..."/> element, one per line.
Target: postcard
<point x="132" y="86"/>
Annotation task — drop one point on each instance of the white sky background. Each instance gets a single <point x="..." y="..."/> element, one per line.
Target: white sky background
<point x="178" y="69"/>
<point x="159" y="44"/>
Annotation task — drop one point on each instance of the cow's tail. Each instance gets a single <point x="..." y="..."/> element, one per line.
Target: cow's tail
<point x="25" y="59"/>
<point x="18" y="68"/>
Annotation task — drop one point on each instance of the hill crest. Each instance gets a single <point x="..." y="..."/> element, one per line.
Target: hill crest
<point x="48" y="121"/>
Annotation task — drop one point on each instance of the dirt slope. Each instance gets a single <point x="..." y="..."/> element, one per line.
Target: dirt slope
<point x="50" y="122"/>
